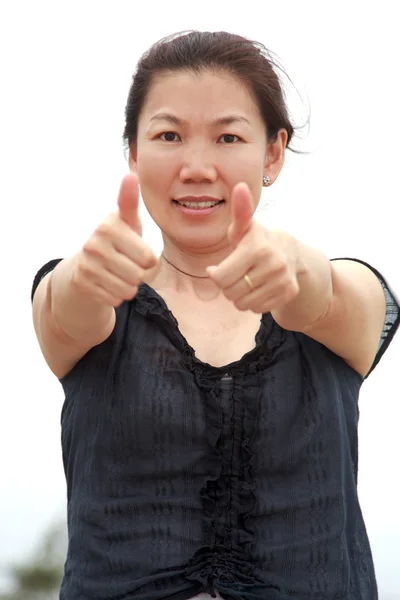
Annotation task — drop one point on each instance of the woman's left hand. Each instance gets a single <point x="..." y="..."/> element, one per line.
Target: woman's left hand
<point x="267" y="257"/>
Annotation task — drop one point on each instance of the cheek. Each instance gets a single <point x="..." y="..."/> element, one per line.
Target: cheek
<point x="155" y="170"/>
<point x="251" y="163"/>
<point x="246" y="159"/>
<point x="249" y="169"/>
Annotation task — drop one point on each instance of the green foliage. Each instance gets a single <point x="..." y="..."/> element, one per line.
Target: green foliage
<point x="40" y="577"/>
<point x="37" y="578"/>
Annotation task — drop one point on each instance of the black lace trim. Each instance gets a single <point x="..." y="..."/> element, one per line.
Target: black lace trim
<point x="269" y="337"/>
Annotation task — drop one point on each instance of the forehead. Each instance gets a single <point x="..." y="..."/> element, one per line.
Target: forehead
<point x="199" y="94"/>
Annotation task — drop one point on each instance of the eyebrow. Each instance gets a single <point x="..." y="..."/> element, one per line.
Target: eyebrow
<point x="227" y="120"/>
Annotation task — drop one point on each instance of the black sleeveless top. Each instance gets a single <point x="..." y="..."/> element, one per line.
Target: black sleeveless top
<point x="183" y="477"/>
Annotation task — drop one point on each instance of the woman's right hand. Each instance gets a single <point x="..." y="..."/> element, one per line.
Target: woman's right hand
<point x="115" y="259"/>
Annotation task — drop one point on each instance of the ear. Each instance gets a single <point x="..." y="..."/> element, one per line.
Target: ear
<point x="133" y="158"/>
<point x="275" y="155"/>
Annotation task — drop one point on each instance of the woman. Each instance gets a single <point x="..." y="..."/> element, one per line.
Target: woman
<point x="209" y="428"/>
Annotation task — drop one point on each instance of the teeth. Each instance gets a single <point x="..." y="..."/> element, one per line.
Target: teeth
<point x="199" y="204"/>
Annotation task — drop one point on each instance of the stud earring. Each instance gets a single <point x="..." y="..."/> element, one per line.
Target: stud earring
<point x="266" y="180"/>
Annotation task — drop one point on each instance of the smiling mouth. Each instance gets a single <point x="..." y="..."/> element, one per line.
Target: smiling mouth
<point x="201" y="204"/>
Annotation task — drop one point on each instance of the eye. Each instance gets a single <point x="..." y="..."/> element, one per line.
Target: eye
<point x="229" y="138"/>
<point x="168" y="136"/>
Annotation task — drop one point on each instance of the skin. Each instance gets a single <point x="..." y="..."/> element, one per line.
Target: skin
<point x="200" y="159"/>
<point x="340" y="304"/>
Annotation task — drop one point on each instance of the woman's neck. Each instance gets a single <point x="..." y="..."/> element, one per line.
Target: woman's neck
<point x="185" y="271"/>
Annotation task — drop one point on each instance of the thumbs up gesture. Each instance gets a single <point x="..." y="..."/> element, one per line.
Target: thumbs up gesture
<point x="260" y="274"/>
<point x="115" y="259"/>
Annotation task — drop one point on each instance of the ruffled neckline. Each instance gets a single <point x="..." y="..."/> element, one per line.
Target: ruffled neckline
<point x="267" y="340"/>
<point x="224" y="561"/>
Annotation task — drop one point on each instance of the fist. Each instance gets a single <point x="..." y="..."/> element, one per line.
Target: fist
<point x="115" y="259"/>
<point x="266" y="258"/>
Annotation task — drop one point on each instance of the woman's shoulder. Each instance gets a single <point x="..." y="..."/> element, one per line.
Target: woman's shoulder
<point x="362" y="317"/>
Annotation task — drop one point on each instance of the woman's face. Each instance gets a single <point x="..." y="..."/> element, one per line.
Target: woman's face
<point x="198" y="136"/>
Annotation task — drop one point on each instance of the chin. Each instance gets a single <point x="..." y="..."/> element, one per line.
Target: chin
<point x="201" y="240"/>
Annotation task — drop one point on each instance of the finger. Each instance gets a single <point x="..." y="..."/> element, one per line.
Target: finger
<point x="263" y="303"/>
<point x="100" y="290"/>
<point x="123" y="268"/>
<point x="115" y="286"/>
<point x="105" y="297"/>
<point x="267" y="299"/>
<point x="232" y="269"/>
<point x="239" y="289"/>
<point x="131" y="245"/>
<point x="242" y="213"/>
<point x="128" y="202"/>
<point x="112" y="239"/>
<point x="260" y="277"/>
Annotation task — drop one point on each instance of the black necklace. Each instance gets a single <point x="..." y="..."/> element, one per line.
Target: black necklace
<point x="184" y="272"/>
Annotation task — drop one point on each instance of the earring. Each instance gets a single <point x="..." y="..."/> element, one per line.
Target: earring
<point x="266" y="180"/>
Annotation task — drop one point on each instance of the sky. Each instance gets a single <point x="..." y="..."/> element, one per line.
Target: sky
<point x="65" y="74"/>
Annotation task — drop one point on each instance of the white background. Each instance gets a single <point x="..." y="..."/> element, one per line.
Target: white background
<point x="65" y="73"/>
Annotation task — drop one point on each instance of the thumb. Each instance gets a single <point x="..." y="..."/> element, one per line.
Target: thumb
<point x="128" y="202"/>
<point x="242" y="213"/>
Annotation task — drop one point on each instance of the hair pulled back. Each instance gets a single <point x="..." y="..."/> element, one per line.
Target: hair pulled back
<point x="199" y="51"/>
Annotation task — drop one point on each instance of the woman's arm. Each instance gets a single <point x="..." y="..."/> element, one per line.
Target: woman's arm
<point x="352" y="321"/>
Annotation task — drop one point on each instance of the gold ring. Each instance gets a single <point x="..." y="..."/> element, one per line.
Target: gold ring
<point x="248" y="281"/>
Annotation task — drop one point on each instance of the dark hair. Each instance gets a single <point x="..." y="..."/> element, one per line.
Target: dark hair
<point x="218" y="51"/>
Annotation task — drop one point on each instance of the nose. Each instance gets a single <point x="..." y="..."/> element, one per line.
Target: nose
<point x="198" y="165"/>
